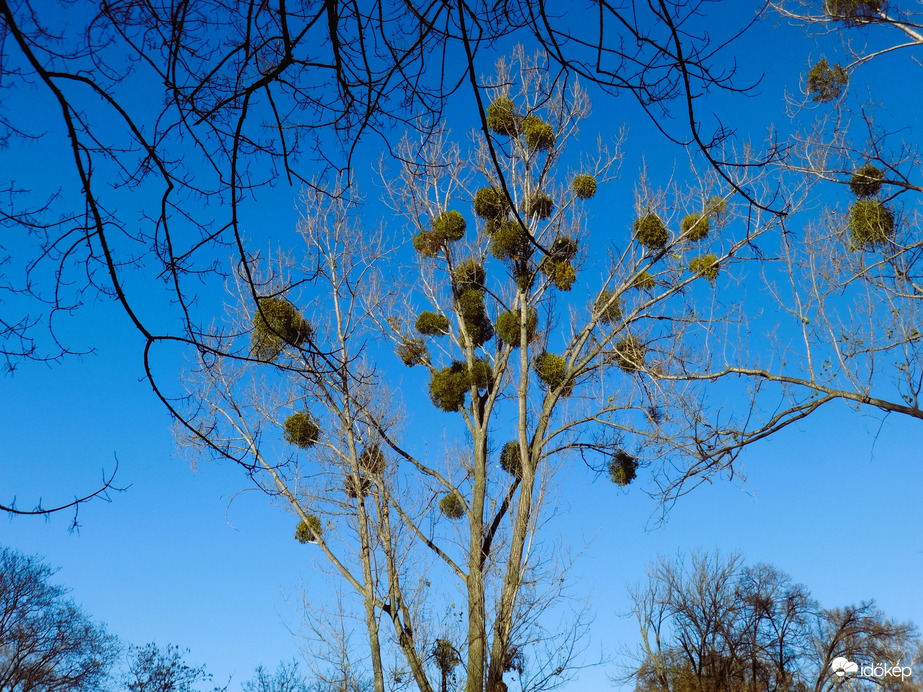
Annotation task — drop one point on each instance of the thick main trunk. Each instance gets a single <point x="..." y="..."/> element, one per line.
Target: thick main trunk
<point x="512" y="581"/>
<point x="477" y="630"/>
<point x="477" y="626"/>
<point x="513" y="576"/>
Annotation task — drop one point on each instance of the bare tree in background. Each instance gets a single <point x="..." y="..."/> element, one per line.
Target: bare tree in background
<point x="47" y="644"/>
<point x="708" y="623"/>
<point x="286" y="678"/>
<point x="164" y="669"/>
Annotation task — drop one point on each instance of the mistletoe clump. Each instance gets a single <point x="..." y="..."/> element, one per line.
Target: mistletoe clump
<point x="371" y="464"/>
<point x="607" y="307"/>
<point x="524" y="275"/>
<point x="474" y="315"/>
<point x="469" y="274"/>
<point x="716" y="207"/>
<point x="372" y="460"/>
<point x="705" y="266"/>
<point x="447" y="659"/>
<point x="539" y="205"/>
<point x="622" y="468"/>
<point x="551" y="370"/>
<point x="356" y="485"/>
<point x="301" y="430"/>
<point x="644" y="281"/>
<point x="564" y="248"/>
<point x="490" y="203"/>
<point x="510" y="241"/>
<point x="853" y="12"/>
<point x="651" y="231"/>
<point x="510" y="460"/>
<point x="447" y="387"/>
<point x="452" y="505"/>
<point x="561" y="274"/>
<point x="502" y="118"/>
<point x="584" y="186"/>
<point x="630" y="353"/>
<point x="539" y="134"/>
<point x="493" y="225"/>
<point x="509" y="327"/>
<point x="866" y="181"/>
<point x="871" y="224"/>
<point x="412" y="352"/>
<point x="277" y="324"/>
<point x="826" y="83"/>
<point x="432" y="324"/>
<point x="427" y="243"/>
<point x="481" y="374"/>
<point x="449" y="226"/>
<point x="695" y="227"/>
<point x="471" y="303"/>
<point x="308" y="529"/>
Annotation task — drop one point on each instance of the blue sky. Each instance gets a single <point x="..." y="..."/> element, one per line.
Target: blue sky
<point x="192" y="557"/>
<point x="183" y="557"/>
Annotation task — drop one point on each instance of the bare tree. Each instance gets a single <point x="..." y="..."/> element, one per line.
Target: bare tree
<point x="854" y="279"/>
<point x="47" y="644"/>
<point x="163" y="669"/>
<point x="531" y="371"/>
<point x="709" y="623"/>
<point x="286" y="678"/>
<point x="896" y="26"/>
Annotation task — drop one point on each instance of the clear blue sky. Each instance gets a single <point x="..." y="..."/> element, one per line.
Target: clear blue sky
<point x="194" y="558"/>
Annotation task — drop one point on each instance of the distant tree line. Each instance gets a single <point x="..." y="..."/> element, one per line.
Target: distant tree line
<point x="711" y="623"/>
<point x="708" y="623"/>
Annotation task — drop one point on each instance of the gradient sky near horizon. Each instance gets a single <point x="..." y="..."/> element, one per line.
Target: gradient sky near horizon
<point x="195" y="558"/>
